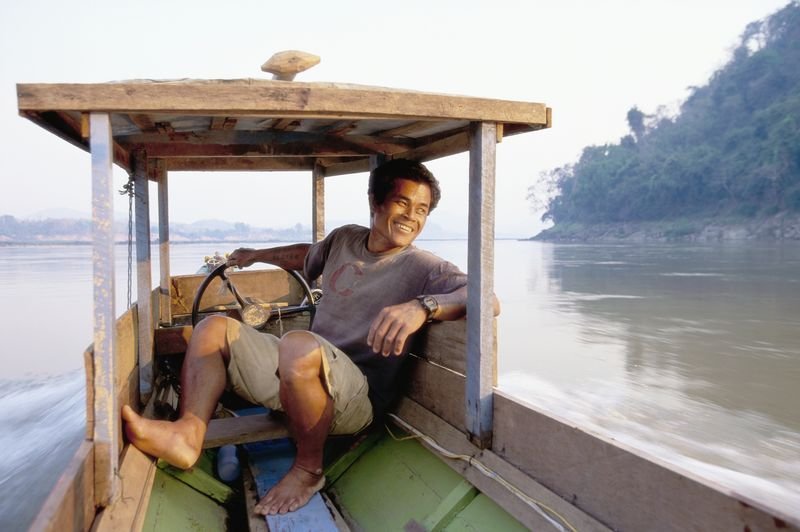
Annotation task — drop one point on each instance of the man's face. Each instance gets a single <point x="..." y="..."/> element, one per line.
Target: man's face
<point x="401" y="217"/>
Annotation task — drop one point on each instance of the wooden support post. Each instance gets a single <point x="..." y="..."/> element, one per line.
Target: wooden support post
<point x="318" y="203"/>
<point x="480" y="265"/>
<point x="376" y="160"/>
<point x="165" y="283"/>
<point x="106" y="410"/>
<point x="144" y="284"/>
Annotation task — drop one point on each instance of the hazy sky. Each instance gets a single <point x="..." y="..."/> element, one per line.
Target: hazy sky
<point x="588" y="60"/>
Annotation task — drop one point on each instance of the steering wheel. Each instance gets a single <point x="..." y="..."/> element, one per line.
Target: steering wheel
<point x="254" y="314"/>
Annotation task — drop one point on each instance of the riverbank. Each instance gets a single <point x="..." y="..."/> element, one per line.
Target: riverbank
<point x="782" y="226"/>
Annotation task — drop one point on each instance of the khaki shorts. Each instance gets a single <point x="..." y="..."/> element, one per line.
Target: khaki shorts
<point x="253" y="375"/>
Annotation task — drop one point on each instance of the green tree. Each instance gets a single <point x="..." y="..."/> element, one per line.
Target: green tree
<point x="734" y="147"/>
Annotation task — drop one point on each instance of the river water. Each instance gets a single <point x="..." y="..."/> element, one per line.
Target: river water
<point x="690" y="353"/>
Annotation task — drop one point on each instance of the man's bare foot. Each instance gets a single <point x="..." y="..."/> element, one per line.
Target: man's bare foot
<point x="178" y="442"/>
<point x="292" y="492"/>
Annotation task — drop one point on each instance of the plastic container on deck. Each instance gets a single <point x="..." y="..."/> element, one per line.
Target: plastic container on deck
<point x="228" y="467"/>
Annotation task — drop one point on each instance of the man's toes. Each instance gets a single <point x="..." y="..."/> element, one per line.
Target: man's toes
<point x="264" y="506"/>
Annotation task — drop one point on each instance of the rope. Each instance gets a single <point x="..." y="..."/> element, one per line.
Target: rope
<point x="538" y="506"/>
<point x="280" y="324"/>
<point x="128" y="188"/>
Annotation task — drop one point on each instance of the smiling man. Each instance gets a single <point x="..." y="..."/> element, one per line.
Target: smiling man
<point x="340" y="376"/>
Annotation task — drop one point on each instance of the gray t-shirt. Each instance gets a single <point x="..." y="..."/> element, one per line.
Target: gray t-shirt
<point x="358" y="284"/>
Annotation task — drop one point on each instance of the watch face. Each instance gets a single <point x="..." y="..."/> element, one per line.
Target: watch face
<point x="430" y="305"/>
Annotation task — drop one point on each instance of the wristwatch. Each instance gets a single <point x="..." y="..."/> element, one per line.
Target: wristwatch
<point x="430" y="305"/>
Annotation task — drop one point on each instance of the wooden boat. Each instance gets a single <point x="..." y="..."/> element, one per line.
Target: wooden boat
<point x="478" y="458"/>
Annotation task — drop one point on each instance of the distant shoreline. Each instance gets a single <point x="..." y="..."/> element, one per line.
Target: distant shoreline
<point x="783" y="226"/>
<point x="125" y="242"/>
<point x="187" y="242"/>
<point x="64" y="231"/>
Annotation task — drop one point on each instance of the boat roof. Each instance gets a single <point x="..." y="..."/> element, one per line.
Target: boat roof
<point x="252" y="124"/>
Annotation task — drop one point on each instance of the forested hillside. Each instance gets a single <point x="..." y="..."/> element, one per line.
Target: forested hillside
<point x="732" y="152"/>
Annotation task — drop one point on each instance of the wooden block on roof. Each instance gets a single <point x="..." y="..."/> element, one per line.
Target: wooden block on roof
<point x="287" y="64"/>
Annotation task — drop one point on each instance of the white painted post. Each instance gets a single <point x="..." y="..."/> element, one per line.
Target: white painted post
<point x="318" y="203"/>
<point x="480" y="266"/>
<point x="106" y="427"/>
<point x="143" y="273"/>
<point x="165" y="283"/>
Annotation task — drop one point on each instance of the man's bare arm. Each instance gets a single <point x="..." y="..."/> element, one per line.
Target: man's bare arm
<point x="453" y="306"/>
<point x="289" y="257"/>
<point x="390" y="330"/>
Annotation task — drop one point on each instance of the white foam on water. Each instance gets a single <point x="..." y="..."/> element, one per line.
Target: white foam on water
<point x="42" y="422"/>
<point x="767" y="471"/>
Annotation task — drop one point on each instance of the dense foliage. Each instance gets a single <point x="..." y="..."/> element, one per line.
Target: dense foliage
<point x="733" y="150"/>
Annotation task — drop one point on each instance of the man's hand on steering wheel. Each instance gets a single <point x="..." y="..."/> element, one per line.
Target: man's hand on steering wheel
<point x="251" y="313"/>
<point x="242" y="258"/>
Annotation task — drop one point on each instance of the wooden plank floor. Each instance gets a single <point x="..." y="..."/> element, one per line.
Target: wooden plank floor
<point x="269" y="462"/>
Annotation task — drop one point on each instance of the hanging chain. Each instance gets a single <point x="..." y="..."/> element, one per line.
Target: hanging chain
<point x="128" y="188"/>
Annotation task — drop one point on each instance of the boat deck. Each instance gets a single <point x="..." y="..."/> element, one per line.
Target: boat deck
<point x="385" y="480"/>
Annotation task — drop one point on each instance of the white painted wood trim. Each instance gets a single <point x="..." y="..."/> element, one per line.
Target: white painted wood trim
<point x="480" y="267"/>
<point x="318" y="203"/>
<point x="143" y="277"/>
<point x="165" y="283"/>
<point x="106" y="426"/>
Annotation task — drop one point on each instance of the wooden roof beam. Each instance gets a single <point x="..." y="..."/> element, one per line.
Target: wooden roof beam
<point x="285" y="124"/>
<point x="438" y="146"/>
<point x="165" y="128"/>
<point x="230" y="138"/>
<point x="262" y="143"/>
<point x="184" y="149"/>
<point x="143" y="122"/>
<point x="339" y="128"/>
<point x="181" y="164"/>
<point x="353" y="166"/>
<point x="406" y="130"/>
<point x="222" y="123"/>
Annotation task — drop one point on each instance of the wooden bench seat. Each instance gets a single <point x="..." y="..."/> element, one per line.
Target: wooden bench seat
<point x="244" y="429"/>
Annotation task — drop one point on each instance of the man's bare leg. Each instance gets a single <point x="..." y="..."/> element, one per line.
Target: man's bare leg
<point x="309" y="409"/>
<point x="202" y="382"/>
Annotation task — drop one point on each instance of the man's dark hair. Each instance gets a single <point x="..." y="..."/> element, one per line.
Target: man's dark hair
<point x="382" y="178"/>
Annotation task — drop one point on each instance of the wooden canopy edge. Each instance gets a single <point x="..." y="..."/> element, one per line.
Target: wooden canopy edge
<point x="247" y="97"/>
<point x="327" y="111"/>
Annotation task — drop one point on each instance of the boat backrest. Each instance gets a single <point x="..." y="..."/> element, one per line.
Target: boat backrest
<point x="438" y="367"/>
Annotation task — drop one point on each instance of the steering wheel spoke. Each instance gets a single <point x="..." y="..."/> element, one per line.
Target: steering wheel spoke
<point x="253" y="313"/>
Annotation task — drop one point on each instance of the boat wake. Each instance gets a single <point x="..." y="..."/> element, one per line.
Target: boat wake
<point x="719" y="447"/>
<point x="42" y="423"/>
